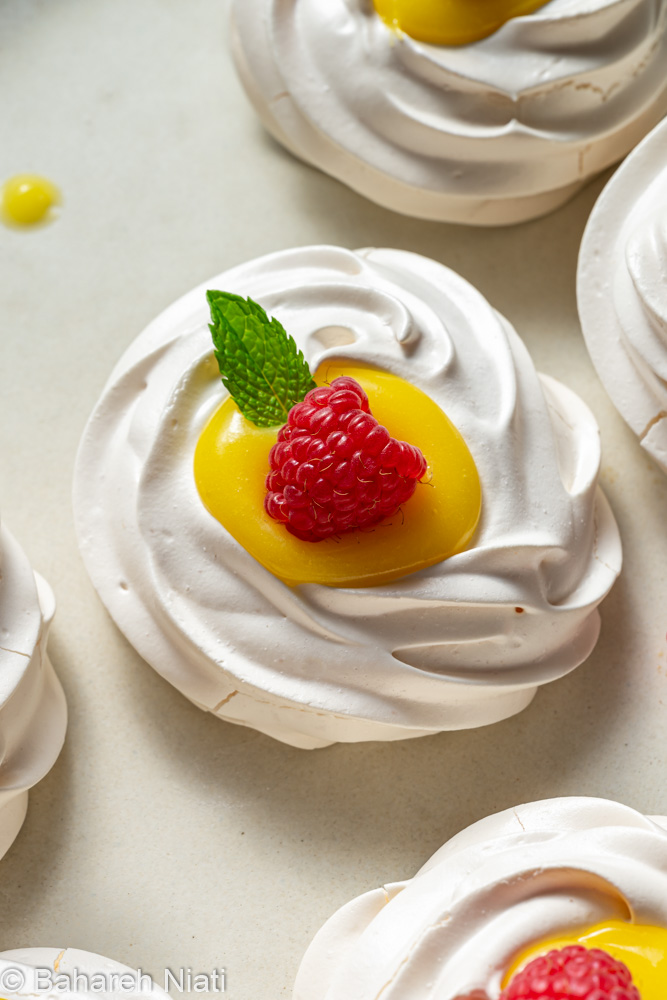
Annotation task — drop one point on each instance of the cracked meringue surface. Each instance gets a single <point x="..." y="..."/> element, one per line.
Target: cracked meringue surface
<point x="23" y="965"/>
<point x="461" y="644"/>
<point x="622" y="291"/>
<point x="33" y="712"/>
<point x="512" y="879"/>
<point x="490" y="133"/>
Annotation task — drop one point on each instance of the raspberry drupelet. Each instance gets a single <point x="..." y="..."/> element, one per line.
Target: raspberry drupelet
<point x="573" y="972"/>
<point x="334" y="468"/>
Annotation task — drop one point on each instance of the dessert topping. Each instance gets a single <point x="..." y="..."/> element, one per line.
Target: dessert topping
<point x="261" y="366"/>
<point x="335" y="468"/>
<point x="452" y="22"/>
<point x="232" y="460"/>
<point x="573" y="972"/>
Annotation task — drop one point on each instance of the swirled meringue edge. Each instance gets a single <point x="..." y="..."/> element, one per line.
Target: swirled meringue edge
<point x="71" y="962"/>
<point x="494" y="133"/>
<point x="621" y="281"/>
<point x="507" y="881"/>
<point x="313" y="665"/>
<point x="33" y="712"/>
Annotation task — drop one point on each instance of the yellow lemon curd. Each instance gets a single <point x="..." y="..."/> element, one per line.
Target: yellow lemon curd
<point x="232" y="462"/>
<point x="641" y="947"/>
<point x="452" y="22"/>
<point x="28" y="199"/>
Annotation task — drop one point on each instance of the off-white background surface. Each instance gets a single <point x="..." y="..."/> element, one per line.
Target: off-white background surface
<point x="164" y="837"/>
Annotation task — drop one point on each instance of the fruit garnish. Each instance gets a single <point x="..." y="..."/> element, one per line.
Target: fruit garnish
<point x="335" y="468"/>
<point x="642" y="948"/>
<point x="573" y="973"/>
<point x="28" y="199"/>
<point x="452" y="22"/>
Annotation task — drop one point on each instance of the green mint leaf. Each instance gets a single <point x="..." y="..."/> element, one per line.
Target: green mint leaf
<point x="260" y="364"/>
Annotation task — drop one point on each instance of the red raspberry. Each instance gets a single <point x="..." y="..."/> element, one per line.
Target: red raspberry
<point x="335" y="468"/>
<point x="573" y="973"/>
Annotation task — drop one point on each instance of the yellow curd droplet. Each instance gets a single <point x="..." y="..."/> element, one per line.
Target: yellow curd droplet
<point x="452" y="22"/>
<point x="232" y="462"/>
<point x="28" y="199"/>
<point x="641" y="947"/>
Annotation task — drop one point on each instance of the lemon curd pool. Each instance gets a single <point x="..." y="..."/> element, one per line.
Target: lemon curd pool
<point x="452" y="22"/>
<point x="232" y="461"/>
<point x="643" y="948"/>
